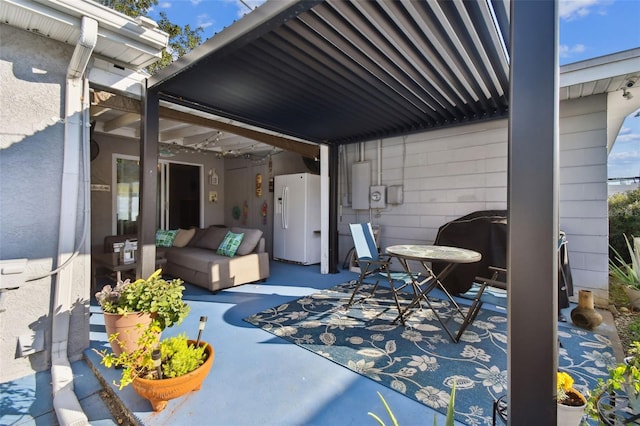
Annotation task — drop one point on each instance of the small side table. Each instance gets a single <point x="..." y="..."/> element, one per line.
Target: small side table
<point x="111" y="261"/>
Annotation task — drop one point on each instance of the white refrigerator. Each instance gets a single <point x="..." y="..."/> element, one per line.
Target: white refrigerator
<point x="296" y="227"/>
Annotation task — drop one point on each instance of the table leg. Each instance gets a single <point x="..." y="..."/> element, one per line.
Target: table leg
<point x="417" y="290"/>
<point x="422" y="290"/>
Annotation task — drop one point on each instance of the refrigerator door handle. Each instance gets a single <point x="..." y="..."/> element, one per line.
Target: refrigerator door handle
<point x="285" y="191"/>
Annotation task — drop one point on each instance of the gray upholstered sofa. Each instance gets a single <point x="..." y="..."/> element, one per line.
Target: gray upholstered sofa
<point x="198" y="262"/>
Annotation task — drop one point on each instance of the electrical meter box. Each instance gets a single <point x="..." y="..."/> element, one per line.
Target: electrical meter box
<point x="378" y="197"/>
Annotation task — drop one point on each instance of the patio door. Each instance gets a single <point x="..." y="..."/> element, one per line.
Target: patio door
<point x="179" y="195"/>
<point x="178" y="198"/>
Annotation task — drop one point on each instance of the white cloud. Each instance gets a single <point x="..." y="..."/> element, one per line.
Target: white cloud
<point x="164" y="5"/>
<point x="576" y="9"/>
<point x="624" y="157"/>
<point x="568" y="51"/>
<point x="204" y="20"/>
<point x="195" y="2"/>
<point x="626" y="136"/>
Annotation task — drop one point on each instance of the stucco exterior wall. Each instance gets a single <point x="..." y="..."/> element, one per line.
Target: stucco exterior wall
<point x="448" y="173"/>
<point x="32" y="71"/>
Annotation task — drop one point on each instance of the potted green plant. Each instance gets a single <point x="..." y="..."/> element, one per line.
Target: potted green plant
<point x="161" y="371"/>
<point x="628" y="274"/>
<point x="130" y="307"/>
<point x="623" y="380"/>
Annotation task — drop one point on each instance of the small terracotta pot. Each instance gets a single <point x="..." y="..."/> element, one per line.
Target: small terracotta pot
<point x="159" y="392"/>
<point x="129" y="328"/>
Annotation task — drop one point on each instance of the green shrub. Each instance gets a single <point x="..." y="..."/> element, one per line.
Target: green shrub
<point x="634" y="329"/>
<point x="624" y="218"/>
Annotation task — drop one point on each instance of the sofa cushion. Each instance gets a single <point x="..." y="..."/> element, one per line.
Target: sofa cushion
<point x="183" y="237"/>
<point x="194" y="258"/>
<point x="165" y="237"/>
<point x="212" y="238"/>
<point x="200" y="232"/>
<point x="230" y="244"/>
<point x="250" y="240"/>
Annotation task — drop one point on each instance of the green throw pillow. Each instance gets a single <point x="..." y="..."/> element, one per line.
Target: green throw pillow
<point x="230" y="244"/>
<point x="165" y="237"/>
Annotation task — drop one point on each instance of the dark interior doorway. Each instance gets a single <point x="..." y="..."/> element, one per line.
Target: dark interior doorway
<point x="184" y="196"/>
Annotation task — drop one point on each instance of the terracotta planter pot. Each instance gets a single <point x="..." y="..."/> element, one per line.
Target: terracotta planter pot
<point x="129" y="328"/>
<point x="571" y="416"/>
<point x="159" y="392"/>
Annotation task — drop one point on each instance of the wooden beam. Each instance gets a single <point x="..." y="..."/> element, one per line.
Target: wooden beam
<point x="304" y="149"/>
<point x="121" y="103"/>
<point x="190" y="135"/>
<point x="122" y="121"/>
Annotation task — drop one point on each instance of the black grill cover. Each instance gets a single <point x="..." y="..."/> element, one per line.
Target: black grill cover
<point x="486" y="232"/>
<point x="483" y="231"/>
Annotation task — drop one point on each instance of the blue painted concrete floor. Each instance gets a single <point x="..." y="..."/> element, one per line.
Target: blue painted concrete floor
<point x="256" y="378"/>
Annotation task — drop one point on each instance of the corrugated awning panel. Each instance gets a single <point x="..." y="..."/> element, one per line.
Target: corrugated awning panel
<point x="352" y="71"/>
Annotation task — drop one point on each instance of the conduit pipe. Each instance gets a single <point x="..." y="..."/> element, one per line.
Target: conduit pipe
<point x="379" y="181"/>
<point x="65" y="402"/>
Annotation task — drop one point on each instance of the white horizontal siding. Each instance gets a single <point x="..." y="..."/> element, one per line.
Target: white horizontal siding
<point x="451" y="172"/>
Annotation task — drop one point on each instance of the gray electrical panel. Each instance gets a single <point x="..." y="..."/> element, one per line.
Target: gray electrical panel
<point x="395" y="194"/>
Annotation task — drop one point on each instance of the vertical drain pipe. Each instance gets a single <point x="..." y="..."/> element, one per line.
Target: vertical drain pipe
<point x="65" y="402"/>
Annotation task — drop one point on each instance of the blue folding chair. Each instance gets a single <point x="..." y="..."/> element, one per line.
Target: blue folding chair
<point x="372" y="263"/>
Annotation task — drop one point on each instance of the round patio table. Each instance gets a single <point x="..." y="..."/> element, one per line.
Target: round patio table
<point x="426" y="254"/>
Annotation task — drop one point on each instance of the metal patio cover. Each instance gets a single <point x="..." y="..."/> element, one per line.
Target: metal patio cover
<point x="349" y="71"/>
<point x="339" y="72"/>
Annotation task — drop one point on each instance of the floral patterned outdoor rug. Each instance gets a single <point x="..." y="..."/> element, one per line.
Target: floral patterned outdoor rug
<point x="419" y="360"/>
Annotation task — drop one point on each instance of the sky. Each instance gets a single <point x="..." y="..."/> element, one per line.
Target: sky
<point x="588" y="29"/>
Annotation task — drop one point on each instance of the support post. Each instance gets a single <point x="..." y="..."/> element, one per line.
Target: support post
<point x="149" y="131"/>
<point x="532" y="259"/>
<point x="333" y="209"/>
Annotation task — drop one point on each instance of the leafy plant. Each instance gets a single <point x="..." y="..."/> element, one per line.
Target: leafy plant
<point x="624" y="218"/>
<point x="624" y="377"/>
<point x="394" y="421"/>
<point x="634" y="329"/>
<point x="449" y="421"/>
<point x="627" y="273"/>
<point x="178" y="357"/>
<point x="154" y="295"/>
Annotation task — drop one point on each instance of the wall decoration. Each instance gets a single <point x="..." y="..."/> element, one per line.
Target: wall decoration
<point x="258" y="185"/>
<point x="263" y="213"/>
<point x="245" y="213"/>
<point x="236" y="212"/>
<point x="213" y="177"/>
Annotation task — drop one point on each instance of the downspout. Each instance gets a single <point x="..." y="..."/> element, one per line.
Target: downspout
<point x="65" y="401"/>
